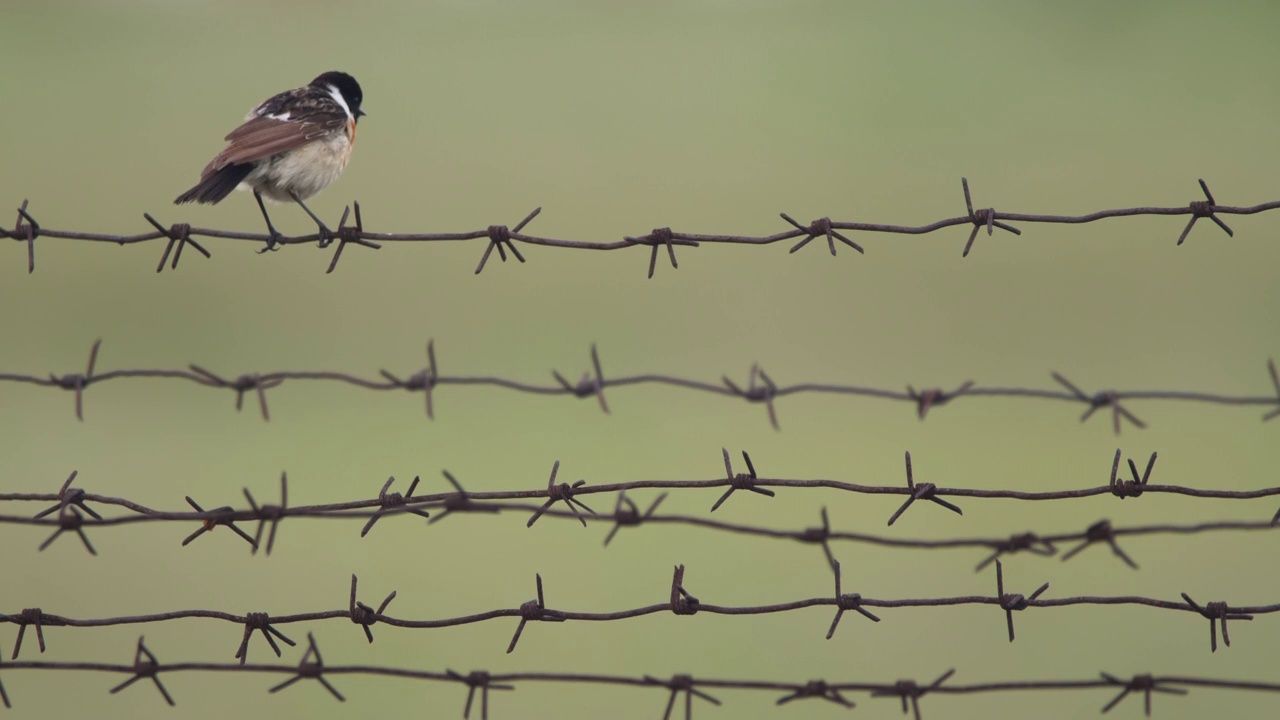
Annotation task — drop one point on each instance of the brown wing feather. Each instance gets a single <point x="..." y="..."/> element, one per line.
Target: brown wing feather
<point x="261" y="137"/>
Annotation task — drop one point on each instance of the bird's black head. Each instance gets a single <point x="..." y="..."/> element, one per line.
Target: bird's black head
<point x="346" y="86"/>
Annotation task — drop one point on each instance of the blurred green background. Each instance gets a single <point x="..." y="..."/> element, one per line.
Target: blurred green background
<point x="616" y="118"/>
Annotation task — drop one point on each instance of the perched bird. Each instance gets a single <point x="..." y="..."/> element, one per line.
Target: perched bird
<point x="289" y="148"/>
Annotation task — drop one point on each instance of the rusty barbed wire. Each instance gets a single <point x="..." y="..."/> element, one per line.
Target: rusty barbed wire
<point x="147" y="666"/>
<point x="71" y="511"/>
<point x="760" y="387"/>
<point x="502" y="238"/>
<point x="681" y="602"/>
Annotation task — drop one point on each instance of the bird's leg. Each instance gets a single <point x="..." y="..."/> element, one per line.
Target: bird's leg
<point x="326" y="235"/>
<point x="273" y="235"/>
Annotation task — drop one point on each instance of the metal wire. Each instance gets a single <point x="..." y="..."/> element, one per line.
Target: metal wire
<point x="500" y="237"/>
<point x="909" y="692"/>
<point x="759" y="388"/>
<point x="71" y="511"/>
<point x="680" y="601"/>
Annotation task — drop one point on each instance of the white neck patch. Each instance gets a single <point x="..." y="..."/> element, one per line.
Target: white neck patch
<point x="337" y="96"/>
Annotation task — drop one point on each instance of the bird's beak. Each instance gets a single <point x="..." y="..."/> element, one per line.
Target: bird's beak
<point x="360" y="114"/>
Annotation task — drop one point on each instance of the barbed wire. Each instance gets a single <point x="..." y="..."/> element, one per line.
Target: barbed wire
<point x="759" y="388"/>
<point x="680" y="602"/>
<point x="71" y="512"/>
<point x="501" y="237"/>
<point x="147" y="666"/>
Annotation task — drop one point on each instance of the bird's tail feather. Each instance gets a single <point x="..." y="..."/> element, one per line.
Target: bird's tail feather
<point x="216" y="186"/>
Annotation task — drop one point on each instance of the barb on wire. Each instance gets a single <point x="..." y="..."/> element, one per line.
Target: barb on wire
<point x="310" y="667"/>
<point x="910" y="692"/>
<point x="353" y="234"/>
<point x="1275" y="382"/>
<point x="682" y="602"/>
<point x="241" y="385"/>
<point x="764" y="392"/>
<point x="389" y="502"/>
<point x="67" y="501"/>
<point x="626" y="513"/>
<point x="1101" y="531"/>
<point x="28" y="617"/>
<point x="217" y="516"/>
<point x="851" y="601"/>
<point x="534" y="610"/>
<point x="261" y="622"/>
<point x="362" y="614"/>
<point x="1218" y="613"/>
<point x="272" y="514"/>
<point x="661" y="237"/>
<point x="1025" y="542"/>
<point x="561" y="493"/>
<point x="1145" y="684"/>
<point x="69" y="520"/>
<point x="922" y="491"/>
<point x="500" y="236"/>
<point x="981" y="218"/>
<point x="1130" y="488"/>
<point x="817" y="689"/>
<point x="1105" y="399"/>
<point x="461" y="502"/>
<point x="68" y="496"/>
<point x="760" y="387"/>
<point x="145" y="667"/>
<point x="587" y="386"/>
<point x="679" y="602"/>
<point x="740" y="481"/>
<point x="478" y="680"/>
<point x="821" y="228"/>
<point x="424" y="380"/>
<point x="678" y="684"/>
<point x="935" y="397"/>
<point x="76" y="382"/>
<point x="1204" y="209"/>
<point x="822" y="536"/>
<point x="179" y="235"/>
<point x="1010" y="602"/>
<point x="504" y="239"/>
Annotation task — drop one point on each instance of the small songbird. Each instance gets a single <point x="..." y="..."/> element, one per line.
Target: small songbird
<point x="289" y="148"/>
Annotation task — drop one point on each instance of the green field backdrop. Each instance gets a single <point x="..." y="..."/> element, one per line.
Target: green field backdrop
<point x="616" y="118"/>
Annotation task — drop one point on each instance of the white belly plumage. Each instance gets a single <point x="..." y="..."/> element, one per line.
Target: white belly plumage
<point x="305" y="171"/>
